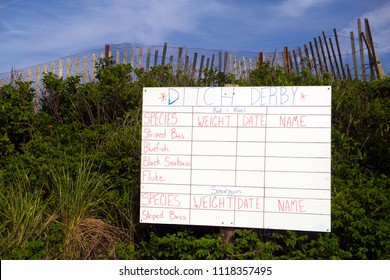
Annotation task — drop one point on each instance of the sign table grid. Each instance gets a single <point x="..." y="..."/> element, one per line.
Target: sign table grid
<point x="206" y="161"/>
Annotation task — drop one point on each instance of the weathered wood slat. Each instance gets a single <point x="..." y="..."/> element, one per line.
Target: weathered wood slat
<point x="361" y="50"/>
<point x="201" y="67"/>
<point x="323" y="54"/>
<point x="314" y="58"/>
<point x="334" y="58"/>
<point x="319" y="56"/>
<point x="148" y="58"/>
<point x="339" y="52"/>
<point x="164" y="54"/>
<point x="321" y="69"/>
<point x="355" y="67"/>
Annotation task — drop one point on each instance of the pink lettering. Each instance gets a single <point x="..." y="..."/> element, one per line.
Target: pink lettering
<point x="213" y="202"/>
<point x="176" y="162"/>
<point x="151" y="147"/>
<point x="174" y="216"/>
<point x="160" y="199"/>
<point x="148" y="133"/>
<point x="149" y="161"/>
<point x="254" y="121"/>
<point x="147" y="216"/>
<point x="159" y="118"/>
<point x="175" y="135"/>
<point x="252" y="203"/>
<point x="214" y="120"/>
<point x="150" y="176"/>
<point x="292" y="205"/>
<point x="292" y="121"/>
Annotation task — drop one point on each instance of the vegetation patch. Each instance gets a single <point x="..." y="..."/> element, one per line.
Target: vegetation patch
<point x="69" y="174"/>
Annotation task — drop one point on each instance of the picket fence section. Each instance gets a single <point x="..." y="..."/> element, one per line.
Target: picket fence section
<point x="319" y="56"/>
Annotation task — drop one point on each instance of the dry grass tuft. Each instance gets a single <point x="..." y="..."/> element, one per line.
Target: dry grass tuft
<point x="93" y="238"/>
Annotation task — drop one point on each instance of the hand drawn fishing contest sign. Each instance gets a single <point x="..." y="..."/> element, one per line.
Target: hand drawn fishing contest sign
<point x="256" y="157"/>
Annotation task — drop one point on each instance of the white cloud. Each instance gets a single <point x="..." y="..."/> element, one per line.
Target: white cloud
<point x="379" y="21"/>
<point x="380" y="27"/>
<point x="93" y="23"/>
<point x="296" y="8"/>
<point x="48" y="30"/>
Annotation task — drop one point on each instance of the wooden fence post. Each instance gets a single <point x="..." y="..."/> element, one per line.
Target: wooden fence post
<point x="171" y="61"/>
<point x="29" y="74"/>
<point x="201" y="67"/>
<point x="355" y="67"/>
<point x="286" y="65"/>
<point x="107" y="51"/>
<point x="36" y="98"/>
<point x="148" y="59"/>
<point x="140" y="55"/>
<point x="370" y="48"/>
<point x="334" y="58"/>
<point x="186" y="64"/>
<point x="323" y="54"/>
<point x="377" y="64"/>
<point x="261" y="57"/>
<point x="212" y="61"/>
<point x="230" y="63"/>
<point x="179" y="60"/>
<point x="370" y="55"/>
<point x="155" y="58"/>
<point x="245" y="73"/>
<point x="339" y="52"/>
<point x="93" y="63"/>
<point x="207" y="63"/>
<point x="220" y="62"/>
<point x="250" y="66"/>
<point x="225" y="63"/>
<point x="60" y="68"/>
<point x="314" y="58"/>
<point x="359" y="24"/>
<point x="194" y="65"/>
<point x="117" y="57"/>
<point x="77" y="65"/>
<point x="321" y="69"/>
<point x="296" y="61"/>
<point x="124" y="61"/>
<point x="309" y="64"/>
<point x="164" y="53"/>
<point x="276" y="59"/>
<point x="68" y="68"/>
<point x="290" y="62"/>
<point x="84" y="69"/>
<point x="329" y="56"/>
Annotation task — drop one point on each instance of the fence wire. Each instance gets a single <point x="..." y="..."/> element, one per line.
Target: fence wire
<point x="191" y="61"/>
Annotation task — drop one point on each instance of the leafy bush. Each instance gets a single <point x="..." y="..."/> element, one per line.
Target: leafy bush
<point x="16" y="110"/>
<point x="69" y="174"/>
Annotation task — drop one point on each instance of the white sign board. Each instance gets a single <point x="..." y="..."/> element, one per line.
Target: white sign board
<point x="254" y="157"/>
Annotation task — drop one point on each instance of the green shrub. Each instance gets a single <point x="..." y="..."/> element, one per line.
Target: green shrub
<point x="69" y="173"/>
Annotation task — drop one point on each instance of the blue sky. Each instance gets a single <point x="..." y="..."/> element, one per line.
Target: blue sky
<point x="38" y="31"/>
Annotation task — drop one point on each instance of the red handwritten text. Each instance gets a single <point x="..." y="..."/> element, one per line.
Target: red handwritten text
<point x="160" y="199"/>
<point x="174" y="216"/>
<point x="159" y="118"/>
<point x="214" y="120"/>
<point x="148" y="133"/>
<point x="249" y="203"/>
<point x="147" y="216"/>
<point x="213" y="202"/>
<point x="151" y="176"/>
<point x="291" y="205"/>
<point x="151" y="147"/>
<point x="292" y="121"/>
<point x="255" y="120"/>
